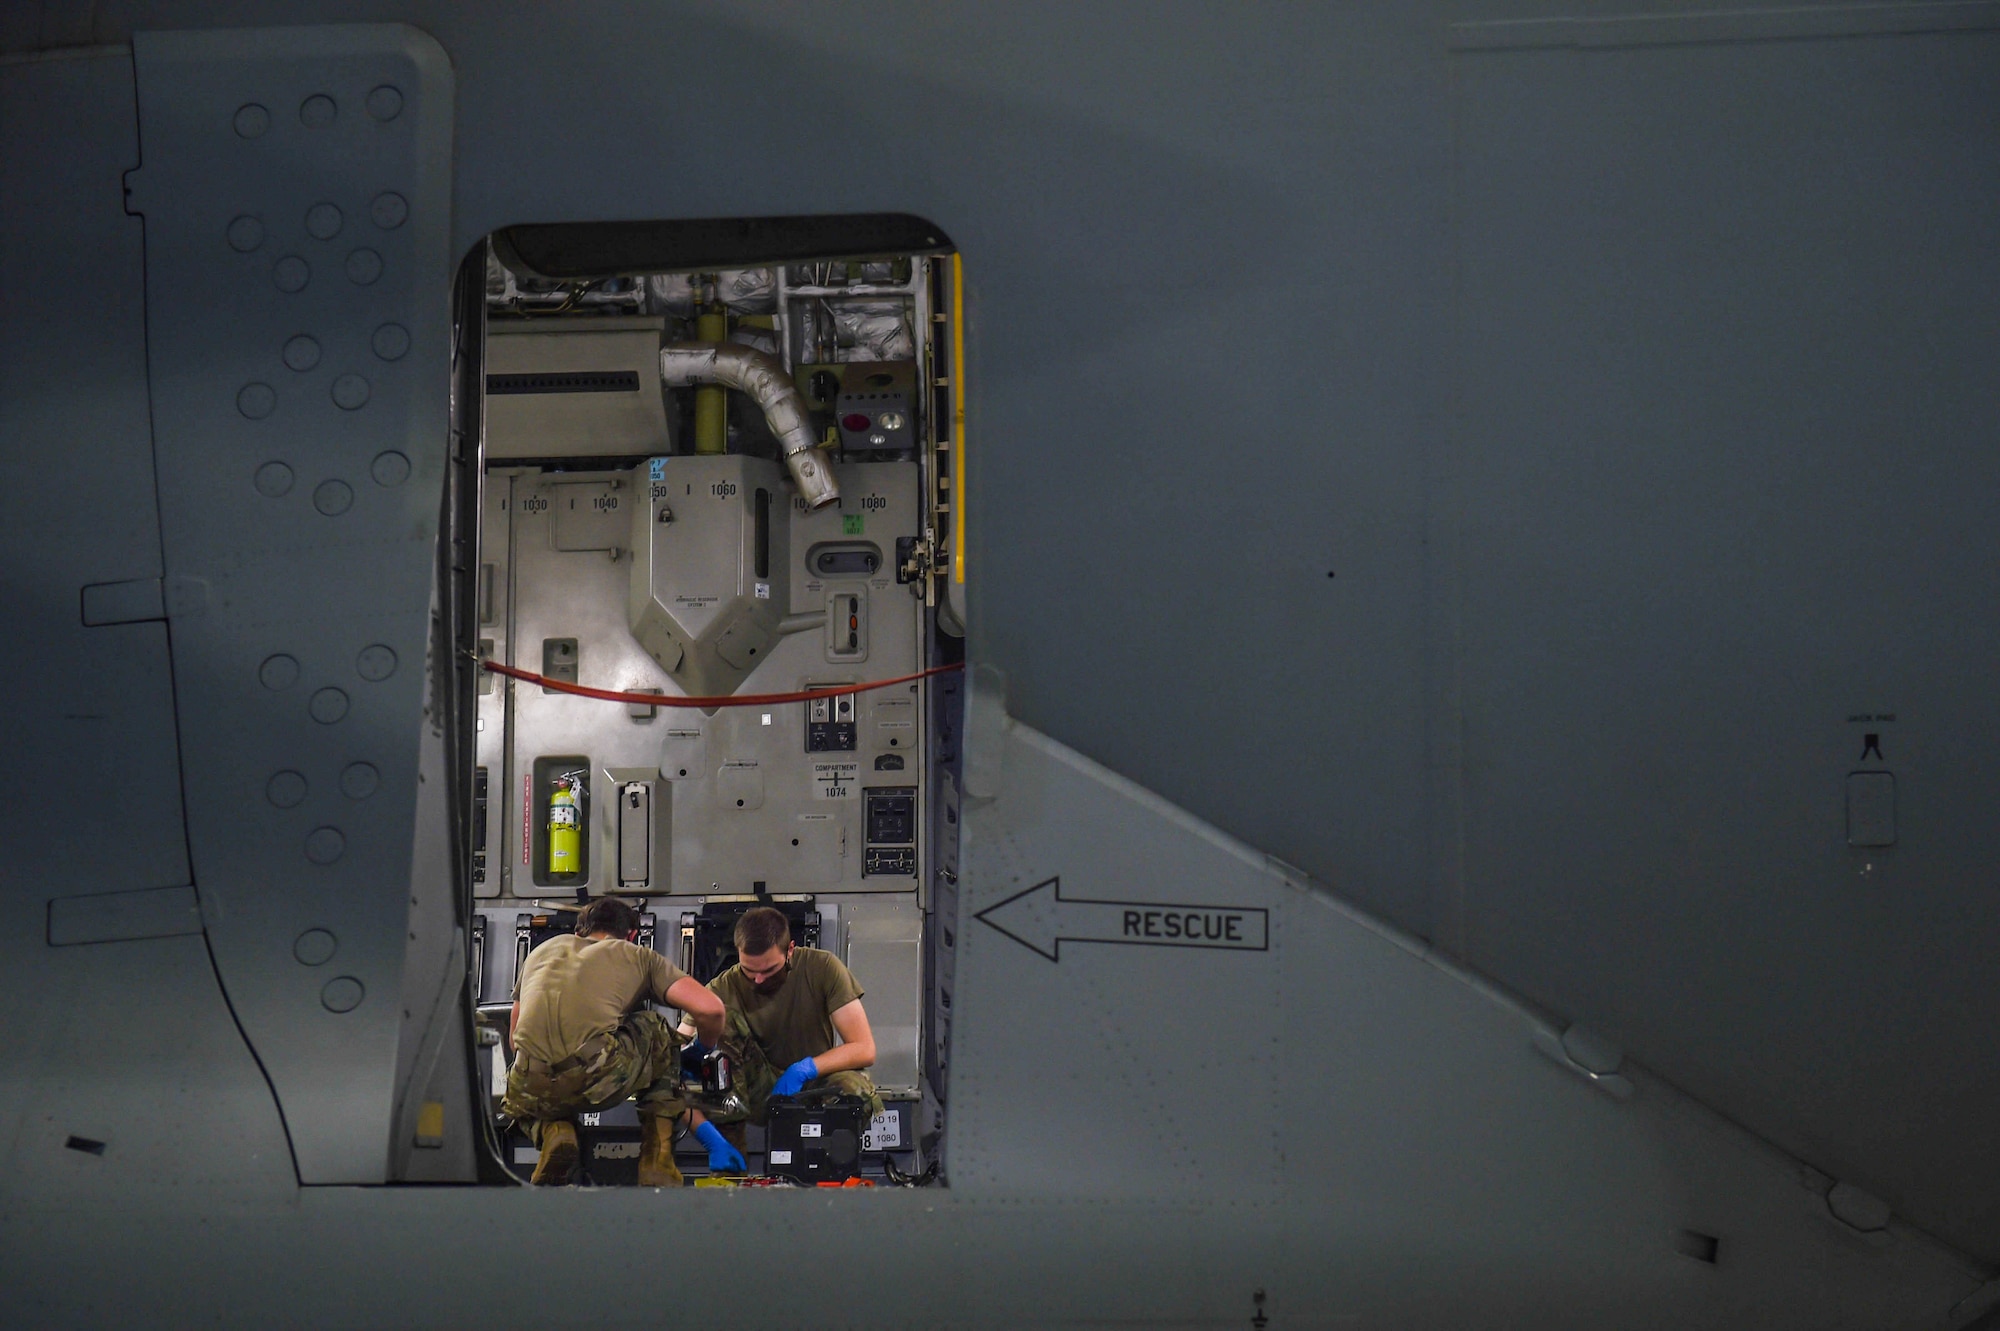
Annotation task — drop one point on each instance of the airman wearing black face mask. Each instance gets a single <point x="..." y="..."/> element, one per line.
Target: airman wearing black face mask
<point x="786" y="1004"/>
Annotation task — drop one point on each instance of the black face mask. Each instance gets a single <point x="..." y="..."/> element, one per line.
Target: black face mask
<point x="774" y="983"/>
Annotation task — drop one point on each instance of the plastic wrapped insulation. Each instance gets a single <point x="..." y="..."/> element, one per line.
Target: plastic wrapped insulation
<point x="509" y="291"/>
<point x="840" y="272"/>
<point x="884" y="330"/>
<point x="741" y="290"/>
<point x="748" y="290"/>
<point x="851" y="330"/>
<point x="763" y="377"/>
<point x="670" y="293"/>
<point x="499" y="282"/>
<point x="758" y="339"/>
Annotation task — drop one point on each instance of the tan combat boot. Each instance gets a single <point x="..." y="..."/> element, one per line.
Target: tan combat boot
<point x="557" y="1138"/>
<point x="656" y="1152"/>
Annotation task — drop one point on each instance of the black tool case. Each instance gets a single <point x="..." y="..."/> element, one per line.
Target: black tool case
<point x="815" y="1141"/>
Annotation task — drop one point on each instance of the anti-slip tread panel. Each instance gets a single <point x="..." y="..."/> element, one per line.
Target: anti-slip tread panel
<point x="295" y="189"/>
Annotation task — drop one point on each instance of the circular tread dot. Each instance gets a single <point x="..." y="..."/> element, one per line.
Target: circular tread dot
<point x="323" y="221"/>
<point x="246" y="233"/>
<point x="390" y="469"/>
<point x="359" y="780"/>
<point x="317" y="111"/>
<point x="291" y="273"/>
<point x="324" y="845"/>
<point x="385" y="103"/>
<point x="286" y="789"/>
<point x="278" y="672"/>
<point x="301" y="353"/>
<point x="328" y="705"/>
<point x="363" y="267"/>
<point x="333" y="498"/>
<point x="342" y="994"/>
<point x="389" y="210"/>
<point x="252" y="120"/>
<point x="376" y="663"/>
<point x="350" y="392"/>
<point x="256" y="401"/>
<point x="274" y="480"/>
<point x="391" y="342"/>
<point x="315" y="947"/>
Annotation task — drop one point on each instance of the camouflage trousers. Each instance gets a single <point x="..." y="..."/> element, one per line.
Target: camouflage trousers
<point x="755" y="1076"/>
<point x="641" y="1057"/>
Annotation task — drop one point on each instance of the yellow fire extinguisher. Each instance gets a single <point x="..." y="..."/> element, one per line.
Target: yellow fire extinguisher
<point x="566" y="826"/>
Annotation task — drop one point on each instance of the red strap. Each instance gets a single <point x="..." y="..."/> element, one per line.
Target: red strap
<point x="733" y="700"/>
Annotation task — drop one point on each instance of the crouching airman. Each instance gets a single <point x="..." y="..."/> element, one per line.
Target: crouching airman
<point x="584" y="1041"/>
<point x="795" y="1024"/>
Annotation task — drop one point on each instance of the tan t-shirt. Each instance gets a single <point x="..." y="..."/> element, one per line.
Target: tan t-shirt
<point x="797" y="1021"/>
<point x="573" y="988"/>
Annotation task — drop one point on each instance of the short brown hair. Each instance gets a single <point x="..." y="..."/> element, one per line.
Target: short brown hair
<point x="608" y="915"/>
<point x="761" y="929"/>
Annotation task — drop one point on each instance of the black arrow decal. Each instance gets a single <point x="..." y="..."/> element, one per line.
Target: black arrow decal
<point x="1042" y="919"/>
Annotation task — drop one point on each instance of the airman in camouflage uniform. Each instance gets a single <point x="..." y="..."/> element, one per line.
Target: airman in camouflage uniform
<point x="795" y="1022"/>
<point x="583" y="1041"/>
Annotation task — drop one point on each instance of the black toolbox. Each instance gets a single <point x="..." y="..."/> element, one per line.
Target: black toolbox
<point x="817" y="1140"/>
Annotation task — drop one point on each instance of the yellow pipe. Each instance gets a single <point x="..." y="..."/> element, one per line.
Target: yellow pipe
<point x="711" y="401"/>
<point x="957" y="420"/>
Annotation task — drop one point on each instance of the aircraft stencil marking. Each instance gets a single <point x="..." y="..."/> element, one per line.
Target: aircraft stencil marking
<point x="1042" y="919"/>
<point x="835" y="780"/>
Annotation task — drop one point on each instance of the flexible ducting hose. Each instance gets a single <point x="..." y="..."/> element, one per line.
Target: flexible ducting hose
<point x="763" y="377"/>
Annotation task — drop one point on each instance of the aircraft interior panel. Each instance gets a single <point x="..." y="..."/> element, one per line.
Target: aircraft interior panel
<point x="650" y="539"/>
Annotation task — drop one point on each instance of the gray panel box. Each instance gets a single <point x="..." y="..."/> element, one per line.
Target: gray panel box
<point x="739" y="795"/>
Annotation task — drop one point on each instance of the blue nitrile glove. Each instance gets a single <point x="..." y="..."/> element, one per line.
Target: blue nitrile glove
<point x="691" y="1055"/>
<point x="795" y="1077"/>
<point x="721" y="1155"/>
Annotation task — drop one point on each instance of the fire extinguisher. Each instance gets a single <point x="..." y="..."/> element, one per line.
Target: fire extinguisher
<point x="566" y="825"/>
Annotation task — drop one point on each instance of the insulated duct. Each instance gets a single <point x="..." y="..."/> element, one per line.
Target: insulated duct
<point x="763" y="377"/>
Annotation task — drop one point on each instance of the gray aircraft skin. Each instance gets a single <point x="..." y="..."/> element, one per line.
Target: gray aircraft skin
<point x="1496" y="499"/>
